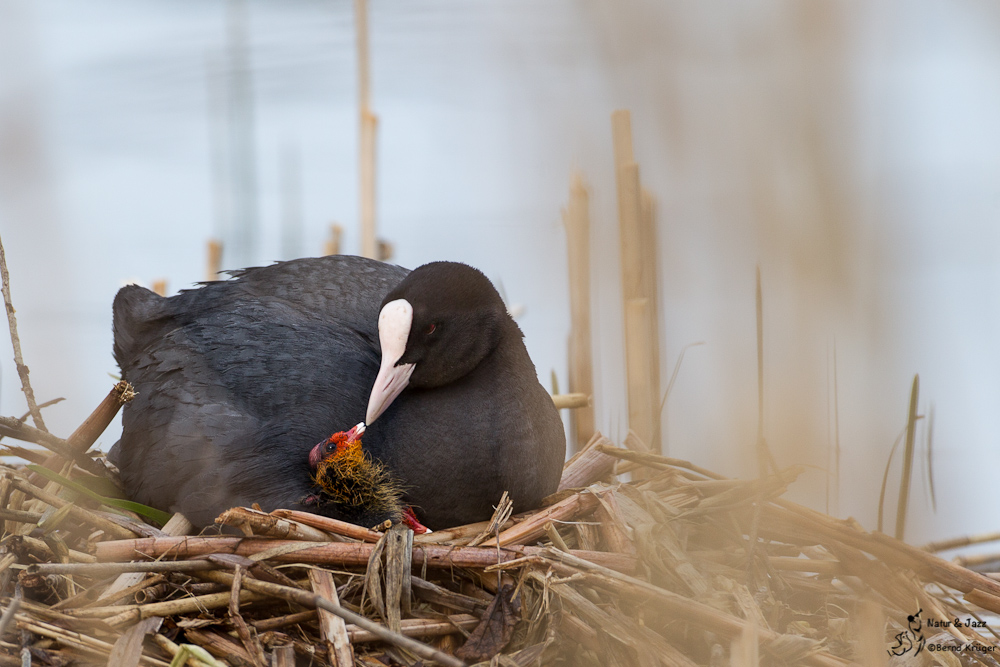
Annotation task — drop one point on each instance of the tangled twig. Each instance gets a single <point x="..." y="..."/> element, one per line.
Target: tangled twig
<point x="22" y="369"/>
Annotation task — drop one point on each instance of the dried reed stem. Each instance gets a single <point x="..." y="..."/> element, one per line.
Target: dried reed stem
<point x="368" y="126"/>
<point x="576" y="219"/>
<point x="15" y="429"/>
<point x="904" y="482"/>
<point x="213" y="260"/>
<point x="573" y="401"/>
<point x="656" y="461"/>
<point x="128" y="614"/>
<point x="84" y="437"/>
<point x="459" y="535"/>
<point x="339" y="553"/>
<point x="589" y="465"/>
<point x="22" y="369"/>
<point x="640" y="335"/>
<point x="419" y="627"/>
<point x="254" y="522"/>
<point x="332" y="627"/>
<point x="253" y="648"/>
<point x="330" y="525"/>
<point x="87" y="433"/>
<point x="92" y="568"/>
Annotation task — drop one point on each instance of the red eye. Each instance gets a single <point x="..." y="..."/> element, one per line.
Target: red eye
<point x="431" y="329"/>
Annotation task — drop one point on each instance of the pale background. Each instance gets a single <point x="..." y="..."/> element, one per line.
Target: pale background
<point x="850" y="149"/>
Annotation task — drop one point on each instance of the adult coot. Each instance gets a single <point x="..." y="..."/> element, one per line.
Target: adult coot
<point x="237" y="380"/>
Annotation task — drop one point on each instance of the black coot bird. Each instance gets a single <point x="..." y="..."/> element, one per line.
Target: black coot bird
<point x="237" y="380"/>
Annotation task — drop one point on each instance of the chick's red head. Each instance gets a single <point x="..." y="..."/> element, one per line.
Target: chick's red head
<point x="338" y="445"/>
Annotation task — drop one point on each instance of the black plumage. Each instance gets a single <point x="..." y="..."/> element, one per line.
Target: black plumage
<point x="237" y="380"/>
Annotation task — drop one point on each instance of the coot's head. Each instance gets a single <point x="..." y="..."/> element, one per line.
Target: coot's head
<point x="349" y="485"/>
<point x="435" y="327"/>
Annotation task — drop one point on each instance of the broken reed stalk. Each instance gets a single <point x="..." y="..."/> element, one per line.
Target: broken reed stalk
<point x="836" y="435"/>
<point x="651" y="290"/>
<point x="15" y="341"/>
<point x="368" y="128"/>
<point x="904" y="482"/>
<point x="213" y="260"/>
<point x="333" y="629"/>
<point x="83" y="438"/>
<point x="641" y="337"/>
<point x="589" y="465"/>
<point x="761" y="445"/>
<point x="574" y="401"/>
<point x="764" y="457"/>
<point x="930" y="456"/>
<point x="576" y="219"/>
<point x="643" y="403"/>
<point x="332" y="244"/>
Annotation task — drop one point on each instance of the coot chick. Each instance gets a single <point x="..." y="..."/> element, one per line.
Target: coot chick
<point x="357" y="487"/>
<point x="349" y="483"/>
<point x="238" y="379"/>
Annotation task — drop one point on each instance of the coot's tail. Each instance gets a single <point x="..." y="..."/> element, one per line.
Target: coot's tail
<point x="114" y="454"/>
<point x="136" y="310"/>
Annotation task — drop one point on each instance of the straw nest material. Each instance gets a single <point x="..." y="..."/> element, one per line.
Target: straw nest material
<point x="677" y="567"/>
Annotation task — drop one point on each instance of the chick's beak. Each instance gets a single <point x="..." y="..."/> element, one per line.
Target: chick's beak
<point x="355" y="432"/>
<point x="393" y="330"/>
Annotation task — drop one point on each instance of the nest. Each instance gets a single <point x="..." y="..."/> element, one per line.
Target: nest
<point x="678" y="566"/>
